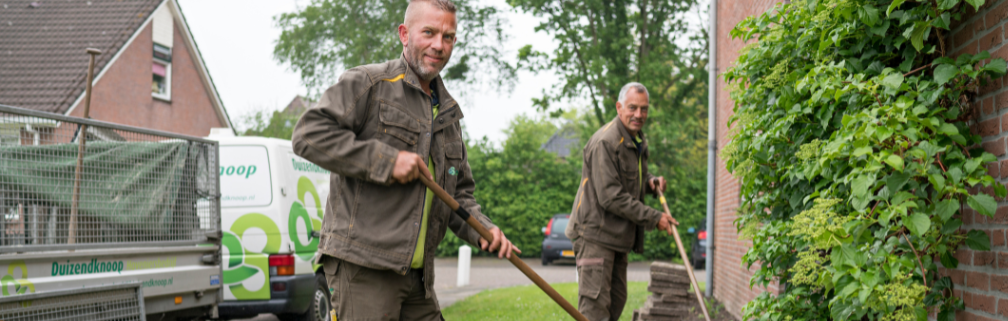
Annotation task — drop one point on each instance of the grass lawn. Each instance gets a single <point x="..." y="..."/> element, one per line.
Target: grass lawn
<point x="528" y="302"/>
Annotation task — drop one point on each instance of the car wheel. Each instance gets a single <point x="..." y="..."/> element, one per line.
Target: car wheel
<point x="545" y="260"/>
<point x="318" y="310"/>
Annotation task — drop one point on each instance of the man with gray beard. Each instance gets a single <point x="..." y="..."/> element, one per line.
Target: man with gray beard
<point x="377" y="130"/>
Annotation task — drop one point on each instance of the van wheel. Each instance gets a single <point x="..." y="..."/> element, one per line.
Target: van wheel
<point x="318" y="310"/>
<point x="545" y="261"/>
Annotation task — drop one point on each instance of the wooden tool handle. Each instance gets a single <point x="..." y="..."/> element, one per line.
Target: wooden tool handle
<point x="441" y="194"/>
<point x="686" y="261"/>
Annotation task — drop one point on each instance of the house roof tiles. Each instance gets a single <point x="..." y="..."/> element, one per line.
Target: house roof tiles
<point x="43" y="63"/>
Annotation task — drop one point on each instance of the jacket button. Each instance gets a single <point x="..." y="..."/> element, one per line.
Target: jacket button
<point x="440" y="120"/>
<point x="416" y="224"/>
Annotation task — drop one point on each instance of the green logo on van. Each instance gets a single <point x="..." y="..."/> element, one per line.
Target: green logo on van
<point x="243" y="264"/>
<point x="239" y="171"/>
<point x="307" y="167"/>
<point x="298" y="212"/>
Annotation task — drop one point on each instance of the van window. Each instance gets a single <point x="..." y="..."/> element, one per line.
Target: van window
<point x="245" y="178"/>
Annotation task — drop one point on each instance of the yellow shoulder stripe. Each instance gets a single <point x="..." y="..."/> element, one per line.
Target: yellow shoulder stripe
<point x="582" y="192"/>
<point x="621" y="139"/>
<point x="396" y="78"/>
<point x="607" y="126"/>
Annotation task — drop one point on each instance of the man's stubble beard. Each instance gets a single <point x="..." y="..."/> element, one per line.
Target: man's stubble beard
<point x="415" y="60"/>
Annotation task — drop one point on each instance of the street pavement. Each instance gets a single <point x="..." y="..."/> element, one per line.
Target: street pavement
<point x="491" y="273"/>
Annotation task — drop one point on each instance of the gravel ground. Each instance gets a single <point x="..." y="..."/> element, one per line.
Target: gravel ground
<point x="491" y="273"/>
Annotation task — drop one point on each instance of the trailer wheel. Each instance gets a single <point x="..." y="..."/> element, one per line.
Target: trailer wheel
<point x="319" y="308"/>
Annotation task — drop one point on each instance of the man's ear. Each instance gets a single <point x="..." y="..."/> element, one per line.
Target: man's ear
<point x="403" y="35"/>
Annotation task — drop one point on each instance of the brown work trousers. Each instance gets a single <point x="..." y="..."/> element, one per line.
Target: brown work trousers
<point x="360" y="293"/>
<point x="602" y="281"/>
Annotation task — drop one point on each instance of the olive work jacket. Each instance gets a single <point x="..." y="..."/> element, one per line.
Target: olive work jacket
<point x="609" y="207"/>
<point x="356" y="131"/>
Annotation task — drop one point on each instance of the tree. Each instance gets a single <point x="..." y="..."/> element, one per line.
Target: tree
<point x="326" y="37"/>
<point x="277" y="124"/>
<point x="519" y="185"/>
<point x="605" y="44"/>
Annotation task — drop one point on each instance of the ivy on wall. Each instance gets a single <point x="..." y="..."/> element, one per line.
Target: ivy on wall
<point x="852" y="145"/>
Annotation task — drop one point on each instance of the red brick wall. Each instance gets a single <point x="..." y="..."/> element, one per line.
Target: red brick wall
<point x="982" y="277"/>
<point x="731" y="279"/>
<point x="123" y="94"/>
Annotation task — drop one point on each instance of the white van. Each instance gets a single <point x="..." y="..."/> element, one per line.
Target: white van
<point x="271" y="209"/>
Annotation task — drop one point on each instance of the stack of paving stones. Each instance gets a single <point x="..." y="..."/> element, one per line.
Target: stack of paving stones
<point x="669" y="299"/>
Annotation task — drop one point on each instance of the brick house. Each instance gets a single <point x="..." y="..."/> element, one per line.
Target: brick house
<point x="150" y="73"/>
<point x="981" y="279"/>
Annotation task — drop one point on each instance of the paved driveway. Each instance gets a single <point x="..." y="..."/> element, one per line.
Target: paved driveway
<point x="491" y="273"/>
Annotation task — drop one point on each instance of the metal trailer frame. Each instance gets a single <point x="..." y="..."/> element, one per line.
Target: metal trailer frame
<point x="35" y="216"/>
<point x="110" y="302"/>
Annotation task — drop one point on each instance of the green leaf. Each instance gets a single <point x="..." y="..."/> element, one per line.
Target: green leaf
<point x="917" y="39"/>
<point x="943" y="73"/>
<point x="895" y="4"/>
<point x="861" y="185"/>
<point x="918" y="223"/>
<point x="858" y="152"/>
<point x="976" y="4"/>
<point x="947" y="4"/>
<point x="896" y="181"/>
<point x="978" y="240"/>
<point x="895" y="161"/>
<point x="945" y="209"/>
<point x="893" y="80"/>
<point x="955" y="174"/>
<point x="983" y="203"/>
<point x="948" y="129"/>
<point x="951" y="226"/>
<point x="949" y="261"/>
<point x="997" y="66"/>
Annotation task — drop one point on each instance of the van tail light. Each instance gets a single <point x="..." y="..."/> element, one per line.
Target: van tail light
<point x="702" y="235"/>
<point x="281" y="264"/>
<point x="549" y="227"/>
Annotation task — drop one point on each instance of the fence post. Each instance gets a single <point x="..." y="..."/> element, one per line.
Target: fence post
<point x="465" y="258"/>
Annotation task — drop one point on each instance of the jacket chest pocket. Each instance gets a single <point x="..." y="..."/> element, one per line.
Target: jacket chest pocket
<point x="453" y="165"/>
<point x="630" y="172"/>
<point x="398" y="129"/>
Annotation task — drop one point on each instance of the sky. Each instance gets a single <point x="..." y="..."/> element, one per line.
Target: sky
<point x="236" y="40"/>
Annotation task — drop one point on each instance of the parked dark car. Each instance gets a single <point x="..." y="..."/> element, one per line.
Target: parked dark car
<point x="555" y="244"/>
<point x="698" y="252"/>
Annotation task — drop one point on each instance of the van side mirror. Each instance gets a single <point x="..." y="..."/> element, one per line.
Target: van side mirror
<point x="691" y="230"/>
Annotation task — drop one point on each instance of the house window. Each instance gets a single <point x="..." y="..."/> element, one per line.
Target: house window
<point x="161" y="70"/>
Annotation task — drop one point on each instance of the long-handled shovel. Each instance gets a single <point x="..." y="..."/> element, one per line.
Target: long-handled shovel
<point x="689" y="269"/>
<point x="514" y="258"/>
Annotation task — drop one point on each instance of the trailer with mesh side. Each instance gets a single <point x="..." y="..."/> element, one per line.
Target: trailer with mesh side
<point x="100" y="221"/>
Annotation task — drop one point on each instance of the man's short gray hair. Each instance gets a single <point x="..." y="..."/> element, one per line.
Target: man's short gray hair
<point x="626" y="88"/>
<point x="444" y="5"/>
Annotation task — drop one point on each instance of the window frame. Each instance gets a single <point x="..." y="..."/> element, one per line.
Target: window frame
<point x="168" y="80"/>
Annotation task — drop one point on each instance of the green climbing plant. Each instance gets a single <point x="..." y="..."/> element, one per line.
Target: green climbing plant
<point x="851" y="141"/>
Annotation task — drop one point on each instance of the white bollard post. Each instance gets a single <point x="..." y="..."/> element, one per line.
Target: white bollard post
<point x="464" y="260"/>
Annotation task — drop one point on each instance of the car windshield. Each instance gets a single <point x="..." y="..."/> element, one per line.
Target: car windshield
<point x="559" y="225"/>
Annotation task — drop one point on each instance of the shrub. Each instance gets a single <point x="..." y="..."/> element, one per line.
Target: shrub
<point x="851" y="142"/>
